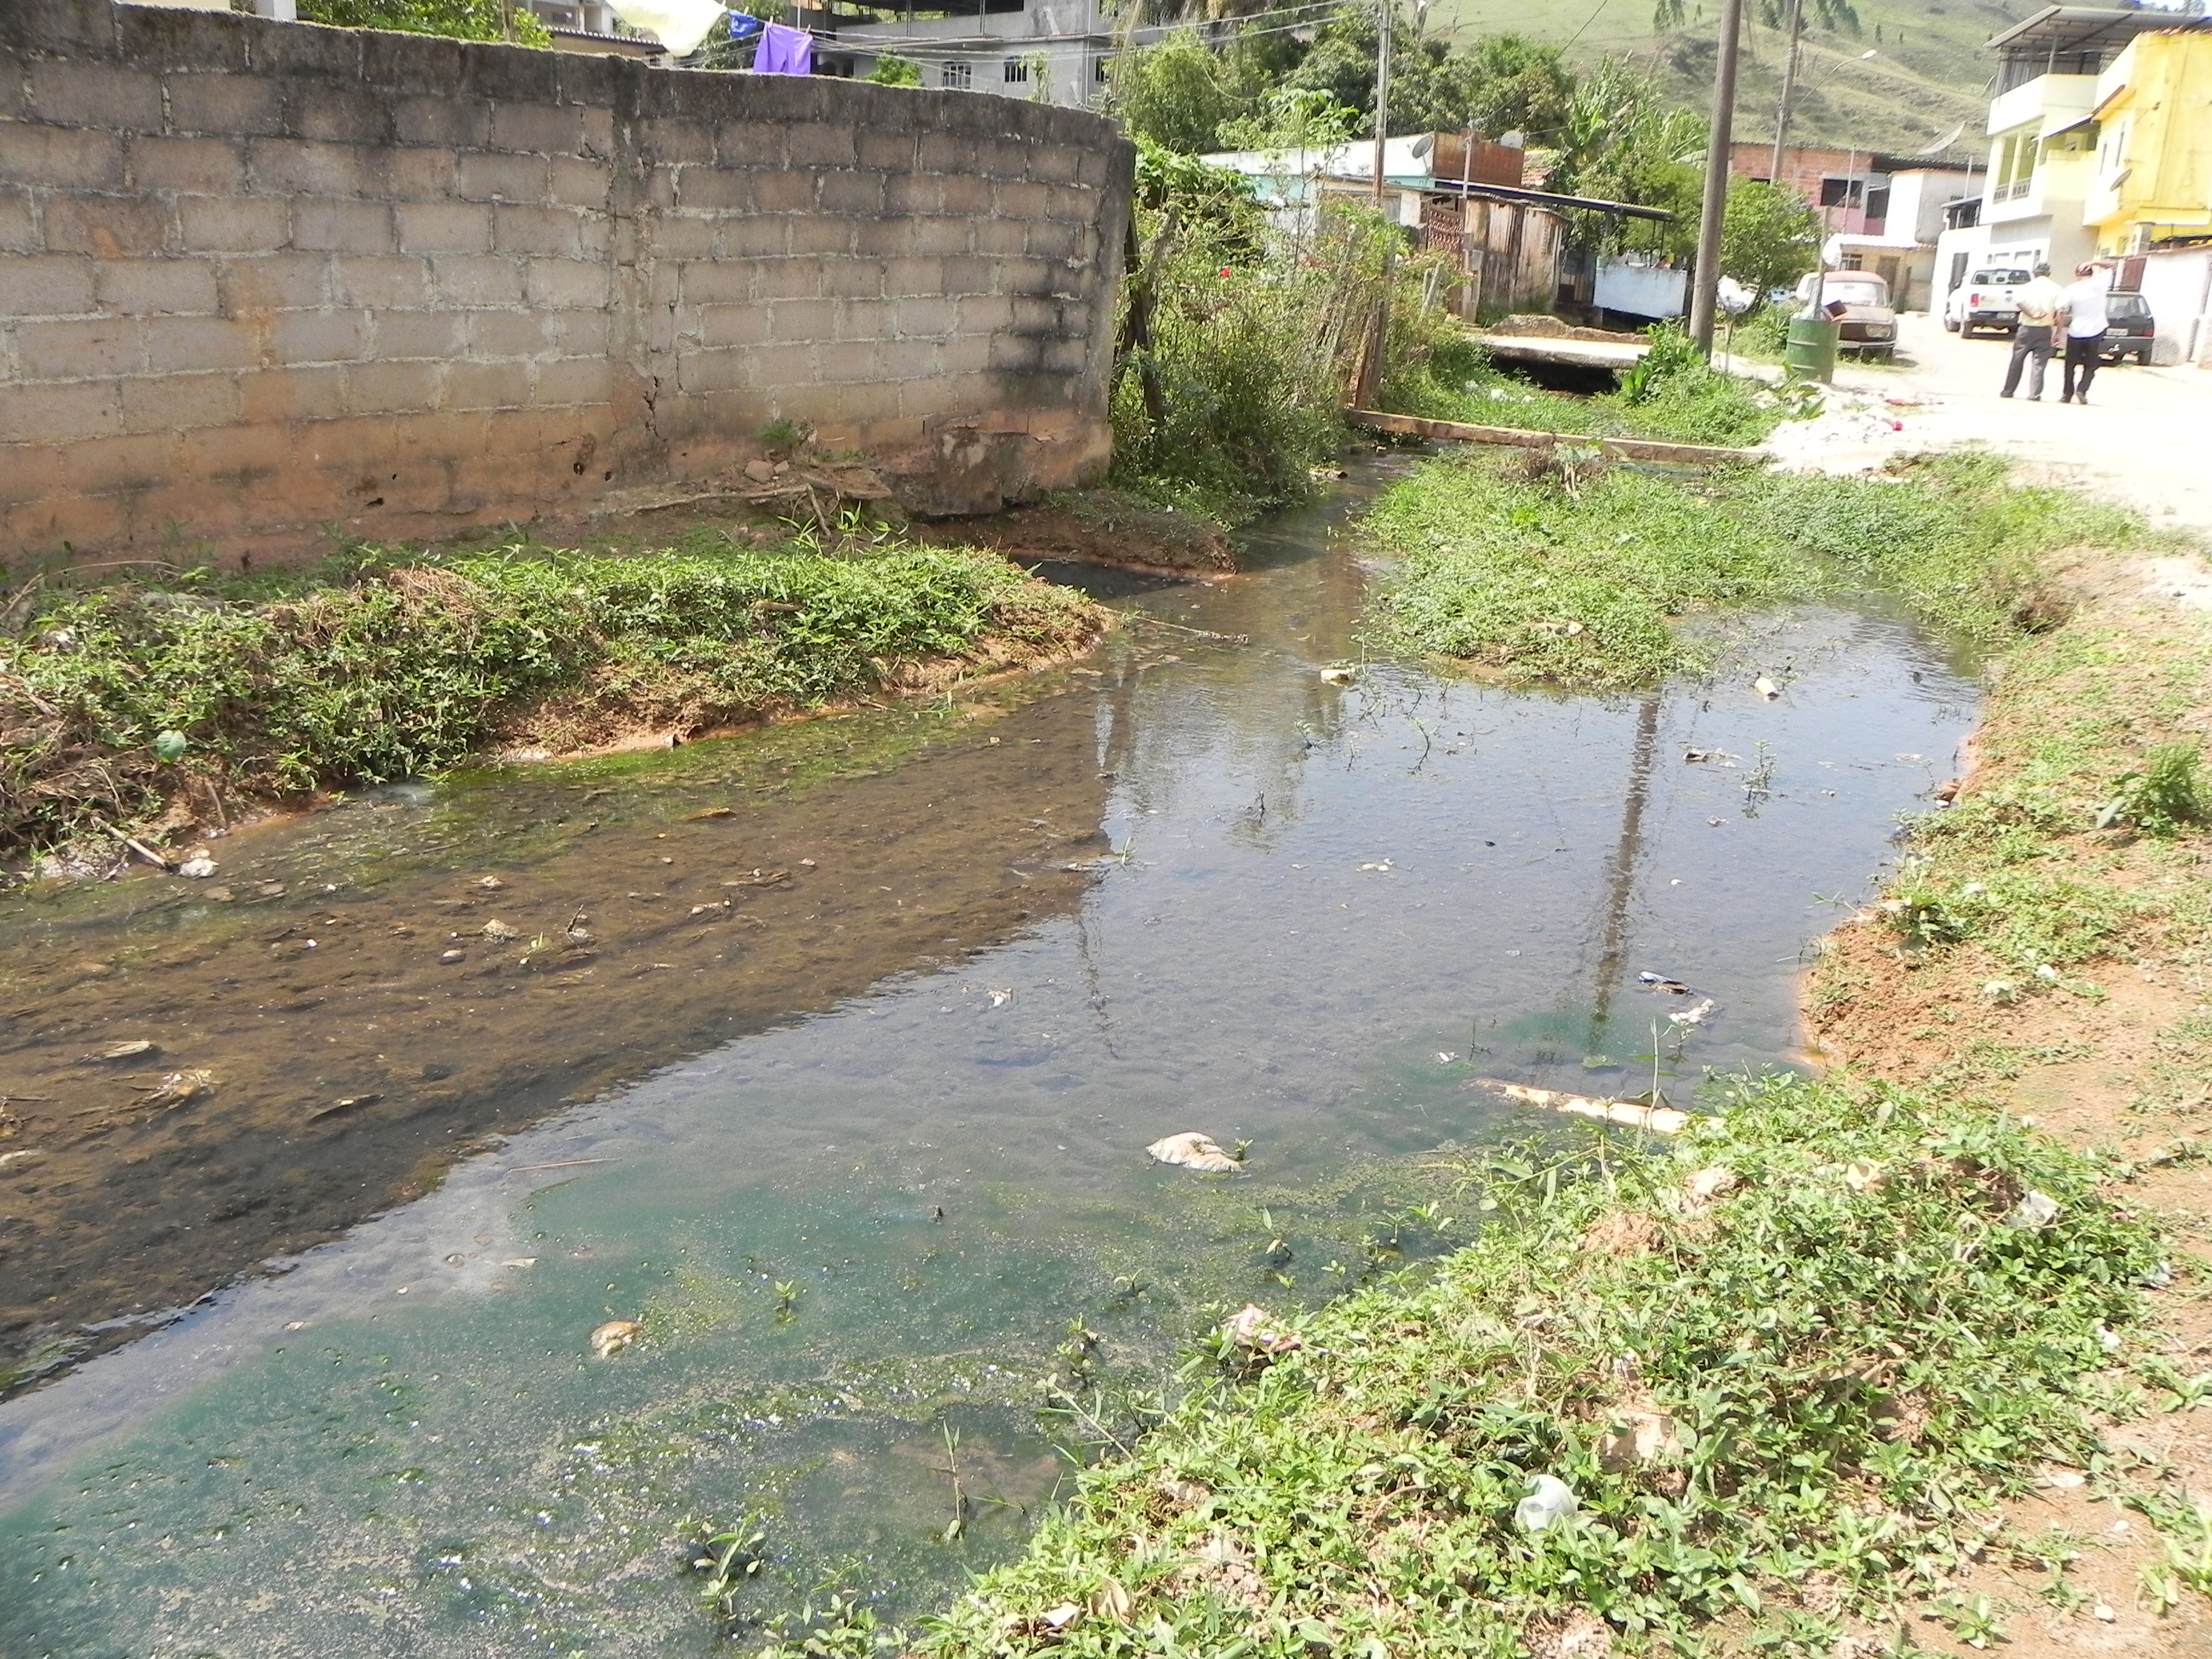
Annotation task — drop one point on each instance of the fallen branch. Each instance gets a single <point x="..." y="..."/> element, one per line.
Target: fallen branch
<point x="1629" y="1114"/>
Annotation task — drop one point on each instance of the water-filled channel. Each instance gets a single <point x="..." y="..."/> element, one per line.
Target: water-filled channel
<point x="859" y="1144"/>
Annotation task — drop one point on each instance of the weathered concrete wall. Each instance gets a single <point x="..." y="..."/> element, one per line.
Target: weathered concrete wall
<point x="257" y="278"/>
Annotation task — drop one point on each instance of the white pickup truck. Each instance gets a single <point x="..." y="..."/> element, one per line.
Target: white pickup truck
<point x="1984" y="301"/>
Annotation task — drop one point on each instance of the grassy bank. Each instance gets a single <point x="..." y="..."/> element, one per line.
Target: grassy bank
<point x="123" y="705"/>
<point x="1785" y="1367"/>
<point x="1673" y="396"/>
<point x="1565" y="570"/>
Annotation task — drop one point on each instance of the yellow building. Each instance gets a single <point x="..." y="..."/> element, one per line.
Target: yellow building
<point x="2154" y="171"/>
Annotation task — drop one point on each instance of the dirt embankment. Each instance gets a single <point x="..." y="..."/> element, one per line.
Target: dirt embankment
<point x="1101" y="526"/>
<point x="2110" y="1050"/>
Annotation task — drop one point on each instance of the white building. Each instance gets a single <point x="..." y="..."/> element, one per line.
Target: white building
<point x="1056" y="52"/>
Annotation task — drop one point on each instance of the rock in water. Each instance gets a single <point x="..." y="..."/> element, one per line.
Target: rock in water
<point x="611" y="1337"/>
<point x="1193" y="1151"/>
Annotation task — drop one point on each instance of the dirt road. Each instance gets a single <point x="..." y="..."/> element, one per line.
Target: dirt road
<point x="2145" y="437"/>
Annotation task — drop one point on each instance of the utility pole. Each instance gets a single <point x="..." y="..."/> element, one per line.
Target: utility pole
<point x="1714" y="205"/>
<point x="1383" y="9"/>
<point x="1788" y="86"/>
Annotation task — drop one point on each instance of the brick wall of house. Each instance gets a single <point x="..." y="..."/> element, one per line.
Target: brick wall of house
<point x="258" y="278"/>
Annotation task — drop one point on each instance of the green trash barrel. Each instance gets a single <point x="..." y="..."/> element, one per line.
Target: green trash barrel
<point x="1811" y="350"/>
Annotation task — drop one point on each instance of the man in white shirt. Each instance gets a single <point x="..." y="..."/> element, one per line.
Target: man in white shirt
<point x="2086" y="322"/>
<point x="2039" y="303"/>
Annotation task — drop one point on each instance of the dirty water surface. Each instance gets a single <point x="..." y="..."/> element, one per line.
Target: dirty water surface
<point x="829" y="1057"/>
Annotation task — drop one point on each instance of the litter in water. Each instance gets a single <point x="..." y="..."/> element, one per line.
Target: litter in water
<point x="1193" y="1151"/>
<point x="1630" y="1114"/>
<point x="611" y="1337"/>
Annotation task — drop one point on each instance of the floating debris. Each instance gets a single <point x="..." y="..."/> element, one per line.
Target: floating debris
<point x="1766" y="688"/>
<point x="8" y="1159"/>
<point x="611" y="1337"/>
<point x="710" y="813"/>
<point x="1000" y="999"/>
<point x="498" y="931"/>
<point x="346" y="1104"/>
<point x="491" y="884"/>
<point x="1710" y="757"/>
<point x="1694" y="1016"/>
<point x="452" y="956"/>
<point x="1651" y="981"/>
<point x="124" y="1051"/>
<point x="1255" y="1330"/>
<point x="1193" y="1151"/>
<point x="1630" y="1114"/>
<point x="1339" y="674"/>
<point x="178" y="1088"/>
<point x="200" y="868"/>
<point x="759" y="878"/>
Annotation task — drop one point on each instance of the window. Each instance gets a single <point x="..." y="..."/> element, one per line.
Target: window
<point x="1017" y="70"/>
<point x="1843" y="192"/>
<point x="956" y="75"/>
<point x="1101" y="69"/>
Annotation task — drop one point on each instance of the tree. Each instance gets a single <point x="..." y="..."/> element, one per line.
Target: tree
<point x="1517" y="85"/>
<point x="1769" y="237"/>
<point x="1172" y="94"/>
<point x="462" y="19"/>
<point x="891" y="70"/>
<point x="1620" y="142"/>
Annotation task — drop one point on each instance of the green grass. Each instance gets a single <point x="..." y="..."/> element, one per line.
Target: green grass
<point x="1504" y="566"/>
<point x="1840" y="1363"/>
<point x="413" y="664"/>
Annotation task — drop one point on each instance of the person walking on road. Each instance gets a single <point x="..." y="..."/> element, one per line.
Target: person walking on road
<point x="2039" y="303"/>
<point x="2085" y="331"/>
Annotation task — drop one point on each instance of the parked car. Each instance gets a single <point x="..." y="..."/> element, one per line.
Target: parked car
<point x="1859" y="302"/>
<point x="1984" y="301"/>
<point x="2130" y="328"/>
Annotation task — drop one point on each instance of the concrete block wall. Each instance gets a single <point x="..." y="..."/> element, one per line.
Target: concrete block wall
<point x="258" y="278"/>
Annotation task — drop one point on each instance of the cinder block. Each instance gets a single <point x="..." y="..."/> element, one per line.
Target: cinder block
<point x="891" y="237"/>
<point x="109" y="226"/>
<point x="969" y="275"/>
<point x="664" y="142"/>
<point x="794" y="321"/>
<point x="579" y="184"/>
<point x="1055" y="164"/>
<point x="464" y="123"/>
<point x="234" y="455"/>
<point x="76" y="351"/>
<point x="170" y="403"/>
<point x="496" y="334"/>
<point x="852" y="279"/>
<point x="392" y="388"/>
<point x="885" y="151"/>
<point x="927" y="318"/>
<point x="66" y="157"/>
<point x="444" y="227"/>
<point x="60" y="414"/>
<point x="157" y="287"/>
<point x="866" y="320"/>
<point x="19" y="224"/>
<point x="818" y="234"/>
<point x="470" y="385"/>
<point x="301" y="166"/>
<point x="854" y="194"/>
<point x="535" y="230"/>
<point x="569" y="381"/>
<point x="320" y="337"/>
<point x="418" y="172"/>
<point x="185" y="345"/>
<point x="1048" y="240"/>
<point x="985" y="314"/>
<point x="273" y="282"/>
<point x="1003" y="158"/>
<point x="501" y="178"/>
<point x="218" y="224"/>
<point x="342" y="227"/>
<point x="343" y="115"/>
<point x="704" y="188"/>
<point x="707" y="282"/>
<point x="97" y="465"/>
<point x="845" y="362"/>
<point x="400" y="335"/>
<point x="598" y="125"/>
<point x="788" y="279"/>
<point x="557" y="283"/>
<point x="1070" y="205"/>
<point x="751" y="236"/>
<point x="721" y="370"/>
<point x="45" y="285"/>
<point x="783" y="192"/>
<point x="539" y="127"/>
<point x="292" y="393"/>
<point x="950" y="154"/>
<point x="967" y="236"/>
<point x="1022" y="201"/>
<point x="581" y="333"/>
<point x="902" y="277"/>
<point x="226" y="105"/>
<point x="821" y="145"/>
<point x="965" y="195"/>
<point x="473" y="280"/>
<point x="95" y="96"/>
<point x="734" y="325"/>
<point x="913" y="193"/>
<point x="197" y="167"/>
<point x="1035" y="316"/>
<point x="755" y="146"/>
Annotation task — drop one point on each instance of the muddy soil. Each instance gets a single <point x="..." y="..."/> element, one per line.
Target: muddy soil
<point x="542" y="939"/>
<point x="1101" y="526"/>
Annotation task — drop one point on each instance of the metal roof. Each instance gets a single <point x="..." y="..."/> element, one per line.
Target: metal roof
<point x="2065" y="29"/>
<point x="1546" y="199"/>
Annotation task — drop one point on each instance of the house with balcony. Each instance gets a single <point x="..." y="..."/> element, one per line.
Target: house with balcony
<point x="1880" y="213"/>
<point x="1056" y="52"/>
<point x="2151" y="183"/>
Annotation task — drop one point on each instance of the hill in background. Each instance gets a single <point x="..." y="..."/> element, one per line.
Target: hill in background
<point x="1929" y="73"/>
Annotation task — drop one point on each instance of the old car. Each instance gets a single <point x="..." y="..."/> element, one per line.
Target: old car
<point x="1984" y="301"/>
<point x="2130" y="329"/>
<point x="1858" y="301"/>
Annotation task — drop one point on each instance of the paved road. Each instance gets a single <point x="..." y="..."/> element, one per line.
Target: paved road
<point x="2145" y="438"/>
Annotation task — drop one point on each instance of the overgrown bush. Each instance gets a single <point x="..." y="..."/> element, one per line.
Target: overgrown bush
<point x="415" y="664"/>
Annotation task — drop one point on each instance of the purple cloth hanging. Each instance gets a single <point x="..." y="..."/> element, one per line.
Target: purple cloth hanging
<point x="784" y="51"/>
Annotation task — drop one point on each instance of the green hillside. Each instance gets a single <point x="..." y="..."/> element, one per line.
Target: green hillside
<point x="1929" y="71"/>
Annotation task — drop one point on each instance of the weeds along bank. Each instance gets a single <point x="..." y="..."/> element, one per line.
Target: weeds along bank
<point x="149" y="710"/>
<point x="1560" y="567"/>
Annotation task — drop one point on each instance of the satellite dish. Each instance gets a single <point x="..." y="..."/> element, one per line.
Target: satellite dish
<point x="1424" y="145"/>
<point x="1945" y="142"/>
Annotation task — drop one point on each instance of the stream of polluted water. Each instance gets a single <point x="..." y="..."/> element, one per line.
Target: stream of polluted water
<point x="829" y="1056"/>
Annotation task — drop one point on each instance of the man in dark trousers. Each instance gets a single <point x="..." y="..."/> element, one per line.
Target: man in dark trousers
<point x="2086" y="322"/>
<point x="2039" y="303"/>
